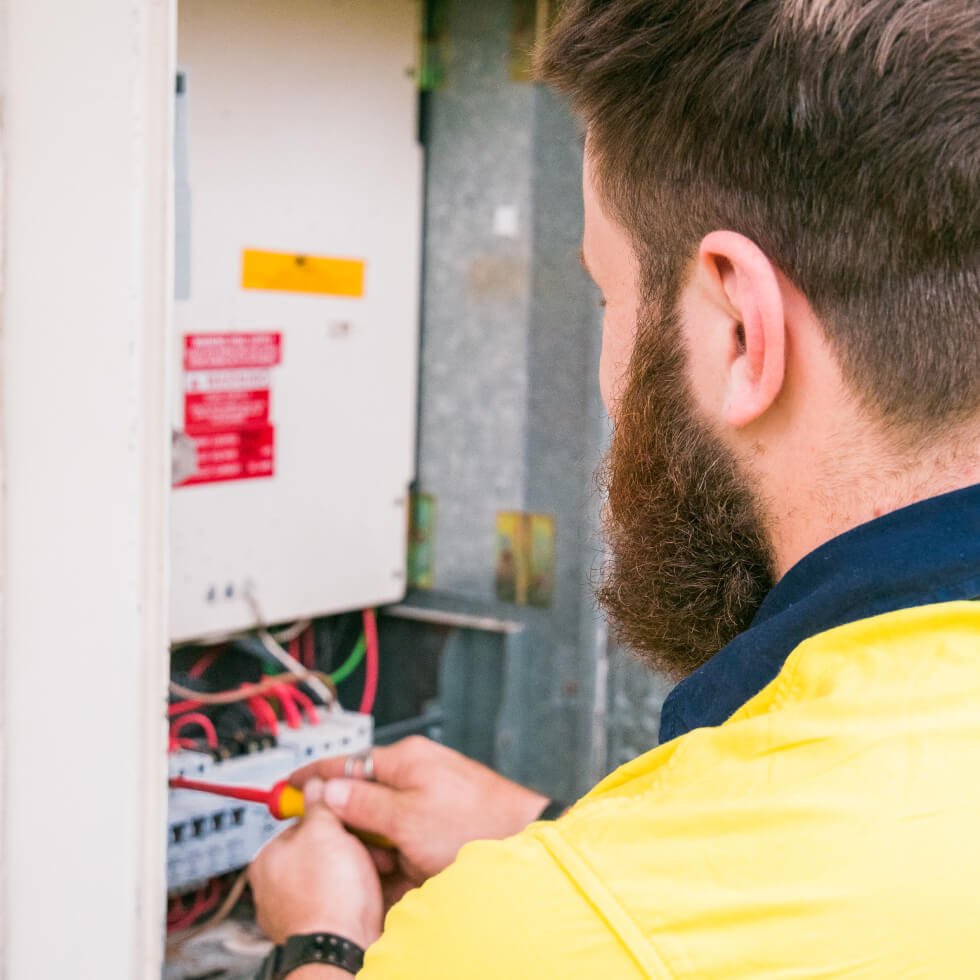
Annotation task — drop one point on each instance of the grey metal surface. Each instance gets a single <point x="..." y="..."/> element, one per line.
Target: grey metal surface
<point x="636" y="697"/>
<point x="447" y="609"/>
<point x="476" y="296"/>
<point x="511" y="418"/>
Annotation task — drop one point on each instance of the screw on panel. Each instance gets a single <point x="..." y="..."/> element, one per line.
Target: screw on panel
<point x="212" y="594"/>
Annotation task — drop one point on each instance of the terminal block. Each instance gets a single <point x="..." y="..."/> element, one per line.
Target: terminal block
<point x="211" y="835"/>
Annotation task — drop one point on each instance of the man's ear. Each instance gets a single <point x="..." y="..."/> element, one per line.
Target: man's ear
<point x="739" y="280"/>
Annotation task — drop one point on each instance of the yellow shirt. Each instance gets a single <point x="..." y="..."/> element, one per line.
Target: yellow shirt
<point x="830" y="828"/>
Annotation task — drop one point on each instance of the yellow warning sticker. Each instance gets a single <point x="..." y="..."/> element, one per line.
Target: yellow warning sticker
<point x="294" y="273"/>
<point x="525" y="558"/>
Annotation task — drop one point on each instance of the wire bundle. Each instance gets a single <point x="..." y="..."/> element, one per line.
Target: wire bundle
<point x="258" y="703"/>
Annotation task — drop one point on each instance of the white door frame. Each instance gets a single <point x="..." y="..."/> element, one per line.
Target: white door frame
<point x="85" y="313"/>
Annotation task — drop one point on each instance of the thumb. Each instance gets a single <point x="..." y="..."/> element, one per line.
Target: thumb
<point x="315" y="808"/>
<point x="364" y="805"/>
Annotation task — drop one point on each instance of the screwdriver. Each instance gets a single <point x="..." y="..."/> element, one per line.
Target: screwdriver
<point x="283" y="801"/>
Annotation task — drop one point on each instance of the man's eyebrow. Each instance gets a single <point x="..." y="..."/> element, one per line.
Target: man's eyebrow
<point x="585" y="265"/>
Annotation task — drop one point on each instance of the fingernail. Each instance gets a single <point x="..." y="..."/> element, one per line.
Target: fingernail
<point x="336" y="793"/>
<point x="313" y="792"/>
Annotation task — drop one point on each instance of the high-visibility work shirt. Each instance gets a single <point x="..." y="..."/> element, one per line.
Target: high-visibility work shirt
<point x="826" y="828"/>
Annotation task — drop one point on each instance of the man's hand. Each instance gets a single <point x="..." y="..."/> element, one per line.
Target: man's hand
<point x="429" y="801"/>
<point x="316" y="877"/>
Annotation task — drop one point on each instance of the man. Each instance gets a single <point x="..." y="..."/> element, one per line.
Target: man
<point x="783" y="215"/>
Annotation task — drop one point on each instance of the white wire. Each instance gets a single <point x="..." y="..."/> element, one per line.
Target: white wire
<point x="289" y="633"/>
<point x="294" y="666"/>
<point x="286" y="635"/>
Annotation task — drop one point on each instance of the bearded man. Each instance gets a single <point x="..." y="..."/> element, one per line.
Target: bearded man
<point x="782" y="203"/>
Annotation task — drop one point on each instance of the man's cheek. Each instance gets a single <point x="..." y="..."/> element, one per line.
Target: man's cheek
<point x="614" y="364"/>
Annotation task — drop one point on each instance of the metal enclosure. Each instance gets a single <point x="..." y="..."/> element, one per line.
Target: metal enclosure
<point x="297" y="135"/>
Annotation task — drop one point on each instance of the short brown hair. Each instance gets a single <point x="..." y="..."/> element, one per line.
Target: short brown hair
<point x="843" y="137"/>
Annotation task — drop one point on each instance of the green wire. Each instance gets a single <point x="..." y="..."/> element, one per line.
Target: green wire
<point x="351" y="663"/>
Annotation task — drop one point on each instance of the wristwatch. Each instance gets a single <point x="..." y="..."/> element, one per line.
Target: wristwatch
<point x="318" y="947"/>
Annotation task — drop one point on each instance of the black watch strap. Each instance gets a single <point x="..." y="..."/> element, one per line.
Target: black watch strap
<point x="317" y="947"/>
<point x="553" y="810"/>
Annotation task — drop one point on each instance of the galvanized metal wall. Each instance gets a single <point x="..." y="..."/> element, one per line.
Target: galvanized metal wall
<point x="511" y="417"/>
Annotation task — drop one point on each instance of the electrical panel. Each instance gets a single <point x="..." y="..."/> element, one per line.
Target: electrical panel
<point x="296" y="310"/>
<point x="210" y="835"/>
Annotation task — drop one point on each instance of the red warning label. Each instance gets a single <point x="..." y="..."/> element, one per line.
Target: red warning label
<point x="213" y="351"/>
<point x="227" y="382"/>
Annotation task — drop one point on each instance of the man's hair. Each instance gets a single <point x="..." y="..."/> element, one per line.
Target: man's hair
<point x="842" y="136"/>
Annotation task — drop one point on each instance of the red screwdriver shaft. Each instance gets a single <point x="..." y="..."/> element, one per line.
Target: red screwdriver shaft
<point x="234" y="792"/>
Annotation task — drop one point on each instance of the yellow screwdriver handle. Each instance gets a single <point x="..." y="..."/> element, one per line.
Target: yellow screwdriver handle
<point x="286" y="802"/>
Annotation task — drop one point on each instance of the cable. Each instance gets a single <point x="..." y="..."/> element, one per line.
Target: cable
<point x="293" y="665"/>
<point x="290" y="633"/>
<point x="264" y="715"/>
<point x="224" y="910"/>
<point x="283" y="635"/>
<point x="352" y="662"/>
<point x="293" y="718"/>
<point x="306" y="703"/>
<point x="194" y="699"/>
<point x="371" y="665"/>
<point x="202" y="664"/>
<point x="196" y="718"/>
<point x="275" y="649"/>
<point x="308" y="644"/>
<point x="204" y="901"/>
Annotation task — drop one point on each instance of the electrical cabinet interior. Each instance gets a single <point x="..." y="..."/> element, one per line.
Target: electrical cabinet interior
<point x="299" y="178"/>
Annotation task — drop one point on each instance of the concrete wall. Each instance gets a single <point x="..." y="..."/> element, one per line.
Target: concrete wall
<point x="511" y="417"/>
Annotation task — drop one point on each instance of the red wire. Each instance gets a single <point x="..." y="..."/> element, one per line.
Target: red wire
<point x="188" y="916"/>
<point x="293" y="718"/>
<point x="201" y="666"/>
<point x="261" y="725"/>
<point x="264" y="714"/>
<point x="175" y="909"/>
<point x="294" y="650"/>
<point x="309" y="649"/>
<point x="246" y="691"/>
<point x="196" y="718"/>
<point x="179" y="707"/>
<point x="204" y="901"/>
<point x="371" y="662"/>
<point x="306" y="703"/>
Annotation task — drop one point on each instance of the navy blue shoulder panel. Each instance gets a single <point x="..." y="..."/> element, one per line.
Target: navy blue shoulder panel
<point x="925" y="553"/>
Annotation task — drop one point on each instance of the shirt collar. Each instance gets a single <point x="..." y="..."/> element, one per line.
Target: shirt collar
<point x="925" y="553"/>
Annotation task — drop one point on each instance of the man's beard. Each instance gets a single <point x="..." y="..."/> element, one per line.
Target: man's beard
<point x="690" y="559"/>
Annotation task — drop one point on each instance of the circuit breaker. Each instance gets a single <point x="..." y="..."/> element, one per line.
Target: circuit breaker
<point x="296" y="310"/>
<point x="211" y="835"/>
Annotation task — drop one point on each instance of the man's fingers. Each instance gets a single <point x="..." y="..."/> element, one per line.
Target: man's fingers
<point x="315" y="808"/>
<point x="385" y="860"/>
<point x="362" y="805"/>
<point x="392" y="764"/>
<point x="321" y="769"/>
